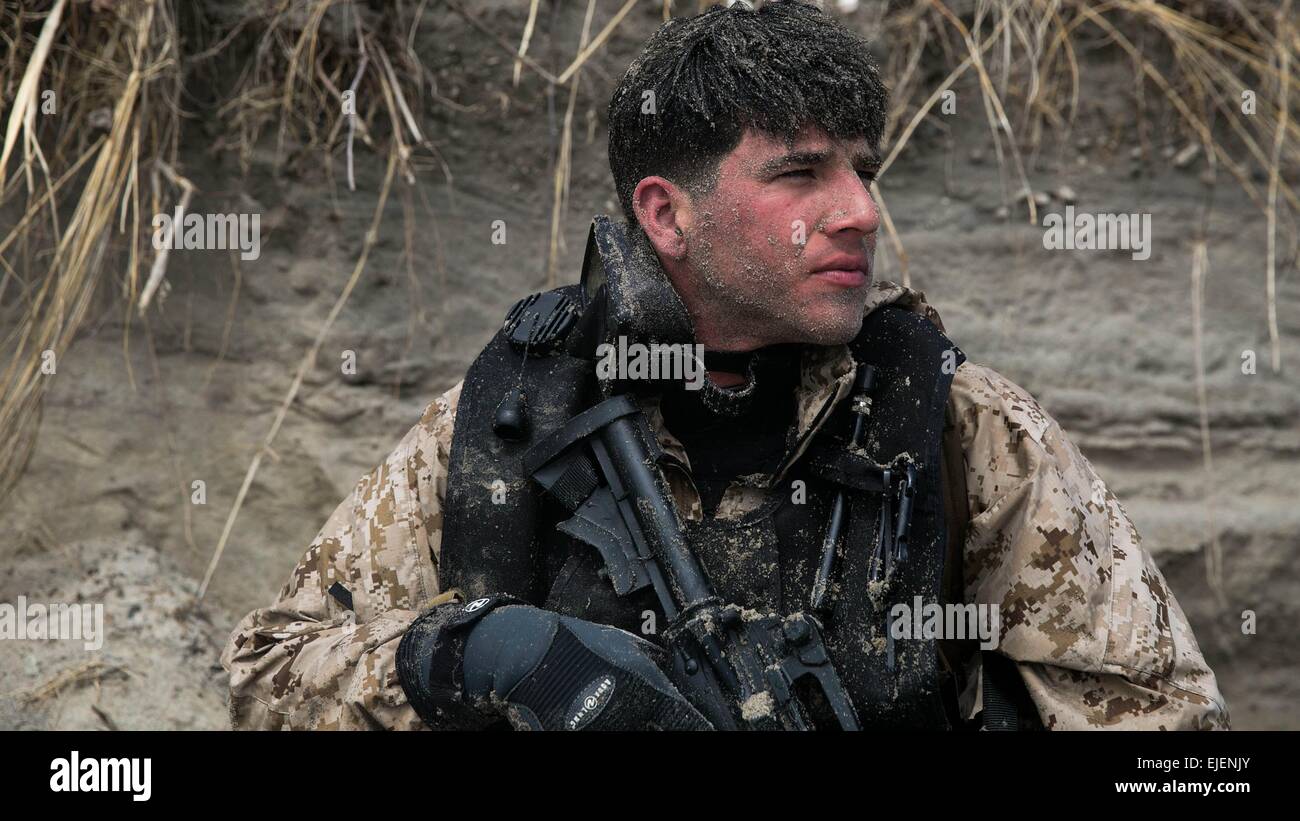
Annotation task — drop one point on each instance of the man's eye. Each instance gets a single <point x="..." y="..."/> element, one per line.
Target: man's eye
<point x="800" y="172"/>
<point x="867" y="176"/>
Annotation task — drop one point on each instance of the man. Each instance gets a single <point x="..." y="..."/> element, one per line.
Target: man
<point x="743" y="143"/>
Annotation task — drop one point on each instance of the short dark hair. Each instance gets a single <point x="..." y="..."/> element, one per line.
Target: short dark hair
<point x="777" y="69"/>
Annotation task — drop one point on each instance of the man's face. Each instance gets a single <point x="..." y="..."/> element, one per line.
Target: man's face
<point x="781" y="249"/>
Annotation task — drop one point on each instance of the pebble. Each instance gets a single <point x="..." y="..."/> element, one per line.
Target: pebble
<point x="1184" y="158"/>
<point x="1040" y="198"/>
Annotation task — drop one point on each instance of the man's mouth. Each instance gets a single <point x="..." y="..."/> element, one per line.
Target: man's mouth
<point x="838" y="276"/>
<point x="845" y="271"/>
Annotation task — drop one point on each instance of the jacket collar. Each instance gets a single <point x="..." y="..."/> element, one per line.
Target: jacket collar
<point x="640" y="302"/>
<point x="642" y="305"/>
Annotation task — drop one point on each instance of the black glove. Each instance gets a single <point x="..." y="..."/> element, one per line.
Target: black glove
<point x="543" y="671"/>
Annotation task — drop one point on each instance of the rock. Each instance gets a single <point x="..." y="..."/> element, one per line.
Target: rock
<point x="1184" y="158"/>
<point x="302" y="282"/>
<point x="307" y="276"/>
<point x="1040" y="198"/>
<point x="101" y="119"/>
<point x="1066" y="194"/>
<point x="407" y="373"/>
<point x="250" y="205"/>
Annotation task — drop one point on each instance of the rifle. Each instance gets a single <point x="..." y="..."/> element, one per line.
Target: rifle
<point x="737" y="667"/>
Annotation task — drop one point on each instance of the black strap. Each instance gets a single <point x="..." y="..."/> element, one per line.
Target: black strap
<point x="341" y="595"/>
<point x="1007" y="705"/>
<point x="954" y="655"/>
<point x="956" y="507"/>
<point x="1000" y="711"/>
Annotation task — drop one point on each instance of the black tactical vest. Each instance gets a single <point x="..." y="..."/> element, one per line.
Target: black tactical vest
<point x="499" y="533"/>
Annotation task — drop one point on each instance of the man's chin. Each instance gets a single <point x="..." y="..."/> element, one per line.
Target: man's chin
<point x="830" y="331"/>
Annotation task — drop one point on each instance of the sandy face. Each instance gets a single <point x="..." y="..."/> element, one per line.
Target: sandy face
<point x="780" y="250"/>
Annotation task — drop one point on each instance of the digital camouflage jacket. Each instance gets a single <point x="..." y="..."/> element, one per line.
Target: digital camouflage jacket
<point x="1096" y="632"/>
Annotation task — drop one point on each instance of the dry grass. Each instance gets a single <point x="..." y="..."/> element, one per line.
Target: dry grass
<point x="90" y="672"/>
<point x="306" y="56"/>
<point x="86" y="151"/>
<point x="1200" y="57"/>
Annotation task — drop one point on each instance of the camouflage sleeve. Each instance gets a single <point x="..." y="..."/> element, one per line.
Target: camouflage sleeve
<point x="311" y="661"/>
<point x="1098" y="636"/>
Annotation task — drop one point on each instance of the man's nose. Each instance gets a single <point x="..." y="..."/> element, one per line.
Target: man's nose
<point x="855" y="209"/>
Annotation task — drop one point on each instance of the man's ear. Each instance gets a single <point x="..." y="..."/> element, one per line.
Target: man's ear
<point x="663" y="210"/>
